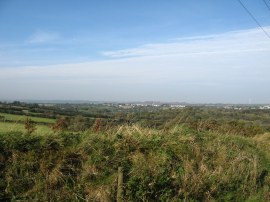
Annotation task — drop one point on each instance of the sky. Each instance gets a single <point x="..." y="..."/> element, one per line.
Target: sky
<point x="193" y="51"/>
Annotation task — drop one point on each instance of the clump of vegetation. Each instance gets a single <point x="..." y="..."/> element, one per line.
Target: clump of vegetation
<point x="180" y="163"/>
<point x="29" y="126"/>
<point x="231" y="127"/>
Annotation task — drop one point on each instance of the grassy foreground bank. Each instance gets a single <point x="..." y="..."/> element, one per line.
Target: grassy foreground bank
<point x="177" y="164"/>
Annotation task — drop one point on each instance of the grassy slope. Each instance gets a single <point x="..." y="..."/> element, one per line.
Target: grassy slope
<point x="173" y="165"/>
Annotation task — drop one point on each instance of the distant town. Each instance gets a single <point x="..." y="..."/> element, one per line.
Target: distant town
<point x="145" y="104"/>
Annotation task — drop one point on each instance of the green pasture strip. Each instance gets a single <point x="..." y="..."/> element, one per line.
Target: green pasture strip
<point x="8" y="127"/>
<point x="12" y="127"/>
<point x="14" y="117"/>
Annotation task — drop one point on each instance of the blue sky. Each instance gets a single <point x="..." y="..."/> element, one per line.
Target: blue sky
<point x="194" y="51"/>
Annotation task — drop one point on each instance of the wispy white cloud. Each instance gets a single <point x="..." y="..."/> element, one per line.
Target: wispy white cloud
<point x="236" y="41"/>
<point x="231" y="67"/>
<point x="40" y="37"/>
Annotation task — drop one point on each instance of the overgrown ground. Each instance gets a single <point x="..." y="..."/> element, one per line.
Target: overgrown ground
<point x="179" y="163"/>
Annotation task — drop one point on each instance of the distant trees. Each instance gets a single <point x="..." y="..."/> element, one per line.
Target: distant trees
<point x="76" y="123"/>
<point x="79" y="123"/>
<point x="16" y="103"/>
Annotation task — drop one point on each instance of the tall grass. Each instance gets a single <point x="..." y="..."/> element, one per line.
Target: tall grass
<point x="175" y="164"/>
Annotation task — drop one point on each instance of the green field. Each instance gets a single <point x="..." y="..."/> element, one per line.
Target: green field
<point x="12" y="127"/>
<point x="15" y="118"/>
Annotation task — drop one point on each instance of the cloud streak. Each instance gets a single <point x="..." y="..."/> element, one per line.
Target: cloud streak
<point x="41" y="37"/>
<point x="237" y="41"/>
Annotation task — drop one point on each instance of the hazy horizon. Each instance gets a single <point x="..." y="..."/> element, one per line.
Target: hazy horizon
<point x="124" y="101"/>
<point x="177" y="51"/>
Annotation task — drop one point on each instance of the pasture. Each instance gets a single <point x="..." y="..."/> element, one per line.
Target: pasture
<point x="21" y="118"/>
